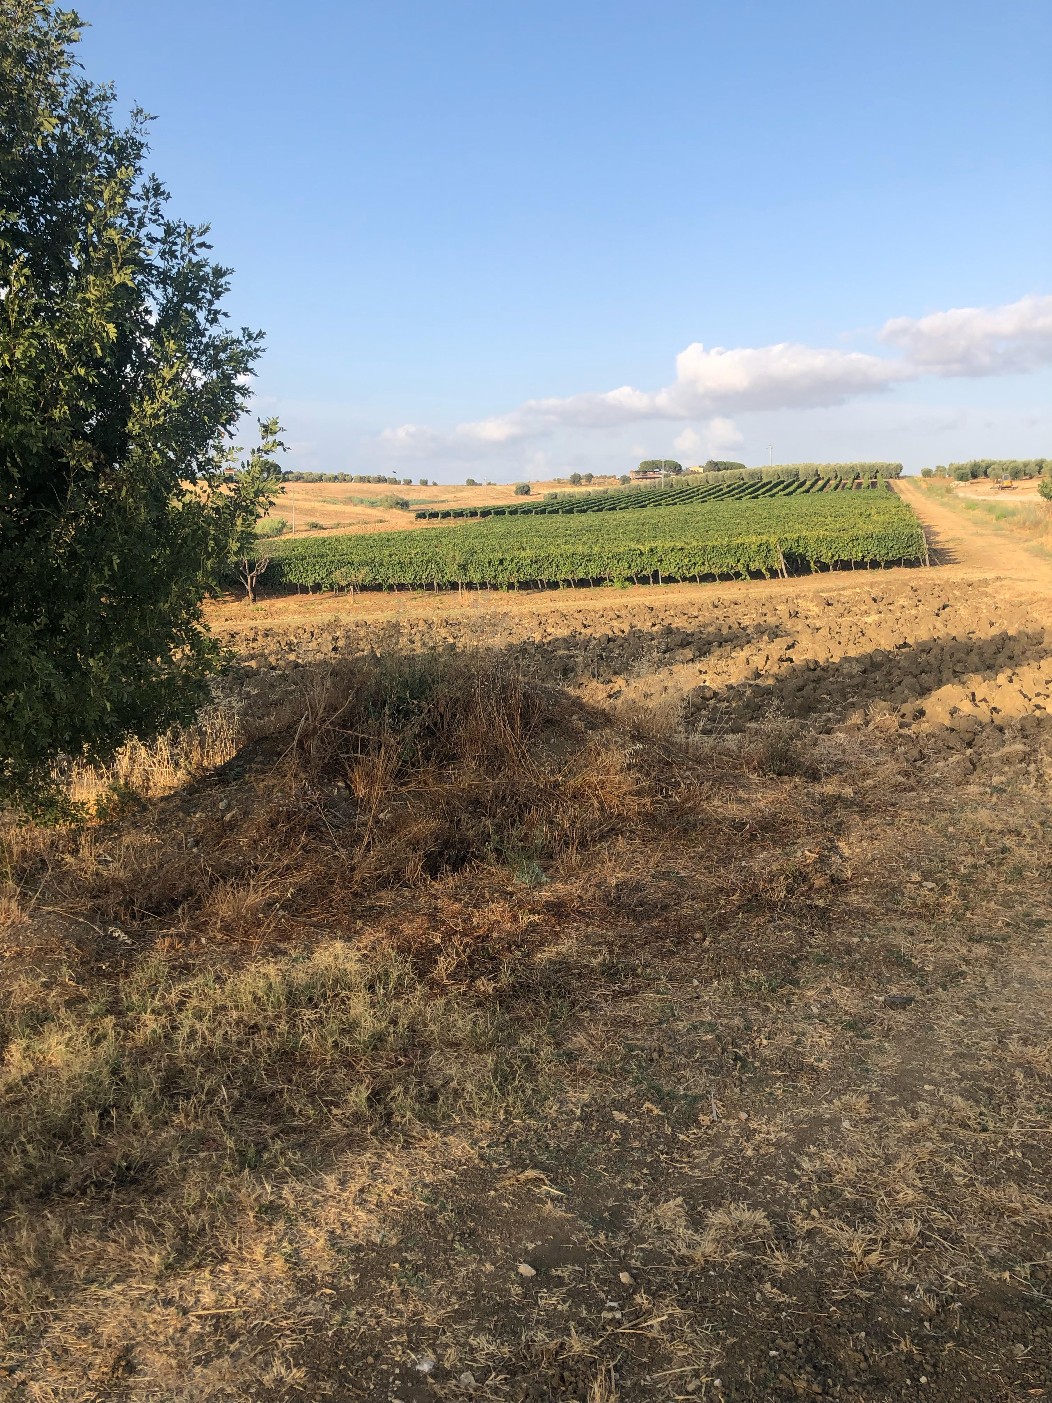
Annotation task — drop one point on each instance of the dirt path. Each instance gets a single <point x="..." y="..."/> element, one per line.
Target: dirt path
<point x="958" y="539"/>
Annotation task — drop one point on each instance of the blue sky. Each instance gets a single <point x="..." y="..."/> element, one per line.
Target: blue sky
<point x="462" y="225"/>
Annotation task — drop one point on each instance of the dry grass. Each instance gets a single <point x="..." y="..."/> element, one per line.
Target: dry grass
<point x="154" y="769"/>
<point x="1021" y="514"/>
<point x="371" y="507"/>
<point x="312" y="1040"/>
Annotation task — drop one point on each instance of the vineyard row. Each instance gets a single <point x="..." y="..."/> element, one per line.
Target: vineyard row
<point x="678" y="493"/>
<point x="728" y="539"/>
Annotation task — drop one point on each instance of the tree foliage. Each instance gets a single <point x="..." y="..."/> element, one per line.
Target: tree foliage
<point x="1012" y="468"/>
<point x="660" y="465"/>
<point x="120" y="387"/>
<point x="251" y="491"/>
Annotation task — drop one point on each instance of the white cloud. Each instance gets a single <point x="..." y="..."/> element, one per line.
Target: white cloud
<point x="964" y="341"/>
<point x="770" y="377"/>
<point x="689" y="443"/>
<point x="784" y="376"/>
<point x="718" y="436"/>
<point x="976" y="340"/>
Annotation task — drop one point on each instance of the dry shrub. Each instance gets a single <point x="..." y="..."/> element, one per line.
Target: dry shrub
<point x="398" y="771"/>
<point x="382" y="772"/>
<point x="405" y="769"/>
<point x="783" y="748"/>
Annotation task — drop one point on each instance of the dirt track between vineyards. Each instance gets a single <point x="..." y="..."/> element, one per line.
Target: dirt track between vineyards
<point x="962" y="540"/>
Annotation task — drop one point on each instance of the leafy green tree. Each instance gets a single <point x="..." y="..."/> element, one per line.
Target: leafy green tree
<point x="120" y="389"/>
<point x="1045" y="488"/>
<point x="252" y="488"/>
<point x="575" y="479"/>
<point x="522" y="489"/>
<point x="471" y="482"/>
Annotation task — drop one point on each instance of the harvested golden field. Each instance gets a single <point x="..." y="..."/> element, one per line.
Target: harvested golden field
<point x="309" y="507"/>
<point x="598" y="995"/>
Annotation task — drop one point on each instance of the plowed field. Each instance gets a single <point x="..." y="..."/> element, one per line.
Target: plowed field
<point x="601" y="995"/>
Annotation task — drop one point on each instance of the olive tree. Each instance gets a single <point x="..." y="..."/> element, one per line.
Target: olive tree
<point x="251" y="489"/>
<point x="121" y="385"/>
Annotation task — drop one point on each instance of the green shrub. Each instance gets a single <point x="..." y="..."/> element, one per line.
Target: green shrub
<point x="660" y="465"/>
<point x="522" y="489"/>
<point x="271" y="526"/>
<point x="1011" y="468"/>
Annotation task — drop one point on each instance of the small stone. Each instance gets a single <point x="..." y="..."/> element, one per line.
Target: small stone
<point x="898" y="1000"/>
<point x="467" y="1378"/>
<point x="425" y="1365"/>
<point x="626" y="1278"/>
<point x="524" y="1269"/>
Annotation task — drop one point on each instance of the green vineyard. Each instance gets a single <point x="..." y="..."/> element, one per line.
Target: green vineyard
<point x="729" y="537"/>
<point x="752" y="484"/>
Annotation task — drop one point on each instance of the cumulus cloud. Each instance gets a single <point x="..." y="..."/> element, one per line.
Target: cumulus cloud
<point x="785" y="376"/>
<point x="769" y="377"/>
<point x="1004" y="340"/>
<point x="719" y="435"/>
<point x="717" y="382"/>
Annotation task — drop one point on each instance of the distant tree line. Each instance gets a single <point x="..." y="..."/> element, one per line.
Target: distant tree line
<point x="790" y="472"/>
<point x="1013" y="469"/>
<point x="289" y="476"/>
<point x="840" y="469"/>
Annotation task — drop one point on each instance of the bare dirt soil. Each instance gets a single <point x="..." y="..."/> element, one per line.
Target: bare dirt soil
<point x="595" y="995"/>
